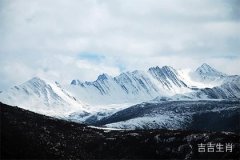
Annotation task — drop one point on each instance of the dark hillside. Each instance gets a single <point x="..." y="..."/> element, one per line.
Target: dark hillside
<point x="27" y="135"/>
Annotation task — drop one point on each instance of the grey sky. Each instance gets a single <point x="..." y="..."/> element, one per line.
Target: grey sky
<point x="67" y="39"/>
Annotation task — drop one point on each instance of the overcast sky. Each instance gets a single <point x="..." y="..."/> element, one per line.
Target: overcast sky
<point x="69" y="39"/>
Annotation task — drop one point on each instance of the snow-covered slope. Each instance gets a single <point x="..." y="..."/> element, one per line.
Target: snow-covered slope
<point x="41" y="96"/>
<point x="107" y="95"/>
<point x="168" y="78"/>
<point x="229" y="89"/>
<point x="139" y="86"/>
<point x="171" y="114"/>
<point x="130" y="87"/>
<point x="207" y="74"/>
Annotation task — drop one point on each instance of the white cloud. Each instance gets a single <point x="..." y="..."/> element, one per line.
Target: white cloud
<point x="47" y="37"/>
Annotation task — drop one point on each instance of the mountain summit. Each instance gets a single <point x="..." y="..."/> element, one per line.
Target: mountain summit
<point x="103" y="76"/>
<point x="41" y="96"/>
<point x="44" y="96"/>
<point x="131" y="87"/>
<point x="206" y="73"/>
<point x="208" y="70"/>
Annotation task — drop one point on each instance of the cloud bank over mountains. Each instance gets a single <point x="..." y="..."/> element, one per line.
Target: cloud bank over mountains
<point x="81" y="39"/>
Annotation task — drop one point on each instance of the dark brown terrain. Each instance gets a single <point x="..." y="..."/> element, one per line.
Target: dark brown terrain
<point x="27" y="135"/>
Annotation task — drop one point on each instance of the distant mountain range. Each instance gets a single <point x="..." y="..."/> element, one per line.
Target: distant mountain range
<point x="108" y="95"/>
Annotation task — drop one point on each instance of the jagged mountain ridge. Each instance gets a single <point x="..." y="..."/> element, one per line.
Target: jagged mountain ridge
<point x="136" y="86"/>
<point x="43" y="96"/>
<point x="139" y="86"/>
<point x="229" y="89"/>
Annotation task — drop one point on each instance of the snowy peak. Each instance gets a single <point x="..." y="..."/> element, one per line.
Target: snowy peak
<point x="103" y="77"/>
<point x="76" y="82"/>
<point x="206" y="69"/>
<point x="208" y="75"/>
<point x="130" y="87"/>
<point x="168" y="77"/>
<point x="36" y="82"/>
<point x="164" y="71"/>
<point x="169" y="69"/>
<point x="36" y="79"/>
<point x="41" y="96"/>
<point x="107" y="94"/>
<point x="154" y="69"/>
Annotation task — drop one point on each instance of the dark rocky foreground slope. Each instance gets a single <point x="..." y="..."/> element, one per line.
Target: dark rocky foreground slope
<point x="29" y="135"/>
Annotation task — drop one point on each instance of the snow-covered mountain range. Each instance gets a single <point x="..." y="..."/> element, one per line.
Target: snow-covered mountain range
<point x="130" y="87"/>
<point x="139" y="86"/>
<point x="42" y="96"/>
<point x="108" y="95"/>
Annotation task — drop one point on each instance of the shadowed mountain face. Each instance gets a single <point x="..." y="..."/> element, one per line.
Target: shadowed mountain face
<point x="29" y="135"/>
<point x="202" y="115"/>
